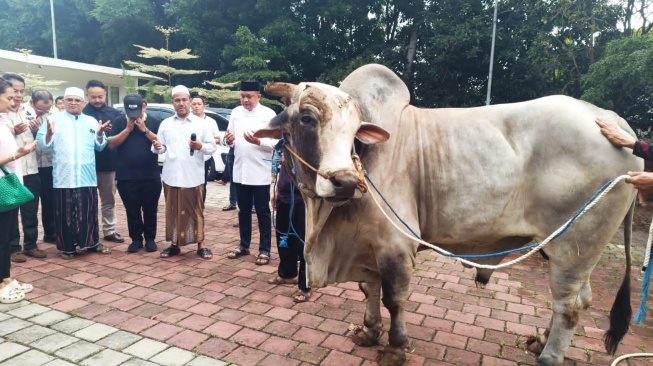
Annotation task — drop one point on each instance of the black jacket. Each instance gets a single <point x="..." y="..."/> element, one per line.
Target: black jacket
<point x="105" y="160"/>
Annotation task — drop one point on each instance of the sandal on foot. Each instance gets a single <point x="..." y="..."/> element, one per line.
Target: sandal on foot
<point x="21" y="286"/>
<point x="301" y="296"/>
<point x="237" y="252"/>
<point x="170" y="252"/>
<point x="262" y="259"/>
<point x="277" y="280"/>
<point x="204" y="253"/>
<point x="9" y="296"/>
<point x="100" y="248"/>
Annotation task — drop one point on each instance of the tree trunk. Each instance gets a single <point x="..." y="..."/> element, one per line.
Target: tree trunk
<point x="412" y="49"/>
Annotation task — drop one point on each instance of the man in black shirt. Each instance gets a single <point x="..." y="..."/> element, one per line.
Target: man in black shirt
<point x="137" y="171"/>
<point x="105" y="161"/>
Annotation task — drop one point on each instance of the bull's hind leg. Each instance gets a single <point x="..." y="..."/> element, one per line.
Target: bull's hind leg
<point x="571" y="295"/>
<point x="372" y="325"/>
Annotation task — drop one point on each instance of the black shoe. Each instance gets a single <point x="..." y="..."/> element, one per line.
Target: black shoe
<point x="229" y="207"/>
<point x="115" y="237"/>
<point x="150" y="245"/>
<point x="135" y="246"/>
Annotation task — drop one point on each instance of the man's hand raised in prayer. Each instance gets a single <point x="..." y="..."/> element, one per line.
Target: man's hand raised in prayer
<point x="104" y="127"/>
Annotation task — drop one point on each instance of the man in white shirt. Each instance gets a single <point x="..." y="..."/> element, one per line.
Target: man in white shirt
<point x="198" y="106"/>
<point x="185" y="139"/>
<point x="23" y="124"/>
<point x="252" y="169"/>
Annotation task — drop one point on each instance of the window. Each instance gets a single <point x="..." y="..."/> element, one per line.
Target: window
<point x="113" y="95"/>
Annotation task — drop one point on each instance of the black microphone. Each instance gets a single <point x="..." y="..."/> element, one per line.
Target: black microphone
<point x="193" y="137"/>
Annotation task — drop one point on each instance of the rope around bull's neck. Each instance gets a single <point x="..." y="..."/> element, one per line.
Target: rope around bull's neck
<point x="514" y="261"/>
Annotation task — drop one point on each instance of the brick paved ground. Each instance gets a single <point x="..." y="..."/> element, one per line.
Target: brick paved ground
<point x="129" y="308"/>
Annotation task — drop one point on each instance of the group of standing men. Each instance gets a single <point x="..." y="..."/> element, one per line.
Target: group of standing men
<point x="73" y="167"/>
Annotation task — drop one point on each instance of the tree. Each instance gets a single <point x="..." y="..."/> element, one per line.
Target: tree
<point x="167" y="55"/>
<point x="622" y="80"/>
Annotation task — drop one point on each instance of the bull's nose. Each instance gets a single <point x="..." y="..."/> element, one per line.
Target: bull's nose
<point x="344" y="185"/>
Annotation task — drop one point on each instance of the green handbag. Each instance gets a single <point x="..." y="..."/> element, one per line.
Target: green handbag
<point x="13" y="193"/>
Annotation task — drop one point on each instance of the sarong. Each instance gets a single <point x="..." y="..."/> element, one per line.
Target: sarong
<point x="76" y="218"/>
<point x="184" y="214"/>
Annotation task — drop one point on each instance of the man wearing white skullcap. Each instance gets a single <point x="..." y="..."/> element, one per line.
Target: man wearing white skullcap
<point x="77" y="138"/>
<point x="185" y="139"/>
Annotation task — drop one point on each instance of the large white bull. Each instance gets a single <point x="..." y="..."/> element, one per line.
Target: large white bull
<point x="475" y="180"/>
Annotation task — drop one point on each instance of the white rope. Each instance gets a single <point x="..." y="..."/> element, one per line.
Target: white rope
<point x="649" y="242"/>
<point x="632" y="355"/>
<point x="510" y="263"/>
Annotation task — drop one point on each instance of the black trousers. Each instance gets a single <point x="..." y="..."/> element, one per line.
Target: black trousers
<point x="29" y="217"/>
<point x="7" y="220"/>
<point x="294" y="250"/>
<point x="207" y="165"/>
<point x="261" y="197"/>
<point x="233" y="196"/>
<point x="141" y="200"/>
<point x="47" y="204"/>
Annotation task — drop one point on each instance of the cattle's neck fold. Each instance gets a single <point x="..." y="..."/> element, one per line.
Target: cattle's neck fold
<point x="317" y="213"/>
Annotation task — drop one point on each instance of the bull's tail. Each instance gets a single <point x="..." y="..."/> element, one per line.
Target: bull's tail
<point x="621" y="311"/>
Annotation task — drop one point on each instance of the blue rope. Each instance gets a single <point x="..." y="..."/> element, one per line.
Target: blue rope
<point x="646" y="284"/>
<point x="473" y="256"/>
<point x="291" y="227"/>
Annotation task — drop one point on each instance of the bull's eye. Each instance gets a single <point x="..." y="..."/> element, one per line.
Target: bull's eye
<point x="306" y="119"/>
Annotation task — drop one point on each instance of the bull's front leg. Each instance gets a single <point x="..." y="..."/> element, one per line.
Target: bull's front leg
<point x="369" y="334"/>
<point x="395" y="270"/>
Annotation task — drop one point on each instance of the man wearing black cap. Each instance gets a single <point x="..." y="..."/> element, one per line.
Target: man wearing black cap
<point x="252" y="169"/>
<point x="137" y="171"/>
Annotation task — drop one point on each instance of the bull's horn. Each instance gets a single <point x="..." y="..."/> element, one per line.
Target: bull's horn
<point x="281" y="89"/>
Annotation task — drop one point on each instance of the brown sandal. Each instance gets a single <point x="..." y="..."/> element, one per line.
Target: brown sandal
<point x="262" y="259"/>
<point x="282" y="281"/>
<point x="301" y="296"/>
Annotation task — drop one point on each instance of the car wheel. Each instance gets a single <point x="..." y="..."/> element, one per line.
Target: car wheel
<point x="212" y="174"/>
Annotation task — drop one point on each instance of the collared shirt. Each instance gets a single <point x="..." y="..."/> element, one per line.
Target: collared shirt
<point x="24" y="114"/>
<point x="252" y="163"/>
<point x="74" y="143"/>
<point x="44" y="157"/>
<point x="181" y="169"/>
<point x="213" y="126"/>
<point x="8" y="147"/>
<point x="105" y="161"/>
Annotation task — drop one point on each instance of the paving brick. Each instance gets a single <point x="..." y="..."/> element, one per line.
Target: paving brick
<point x="12" y="325"/>
<point x="59" y="363"/>
<point x="69" y="305"/>
<point x="206" y="361"/>
<point x="95" y="332"/>
<point x="30" y="334"/>
<point x="187" y="339"/>
<point x="49" y="318"/>
<point x="104" y="298"/>
<point x="113" y="317"/>
<point x="78" y="351"/>
<point x="278" y="345"/>
<point x="249" y="337"/>
<point x="10" y="349"/>
<point x="31" y="358"/>
<point x="196" y="322"/>
<point x="311" y="336"/>
<point x="84" y="293"/>
<point x="54" y="342"/>
<point x="276" y="360"/>
<point x="222" y="329"/>
<point x="72" y="325"/>
<point x="137" y="324"/>
<point x="126" y="304"/>
<point x="138" y="362"/>
<point x="461" y="357"/>
<point x="173" y="356"/>
<point x="245" y="356"/>
<point x="309" y="353"/>
<point x="216" y="348"/>
<point x="281" y="313"/>
<point x="145" y="348"/>
<point x="108" y="357"/>
<point x="338" y="343"/>
<point x="119" y="340"/>
<point x="336" y="358"/>
<point x="161" y="331"/>
<point x="28" y="311"/>
<point x="181" y="303"/>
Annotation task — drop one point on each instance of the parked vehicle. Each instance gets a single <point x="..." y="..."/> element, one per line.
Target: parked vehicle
<point x="163" y="111"/>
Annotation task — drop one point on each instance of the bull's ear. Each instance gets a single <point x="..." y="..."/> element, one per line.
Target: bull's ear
<point x="268" y="132"/>
<point x="369" y="134"/>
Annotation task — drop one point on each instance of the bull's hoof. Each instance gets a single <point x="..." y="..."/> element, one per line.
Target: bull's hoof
<point x="546" y="361"/>
<point x="392" y="357"/>
<point x="362" y="337"/>
<point x="536" y="344"/>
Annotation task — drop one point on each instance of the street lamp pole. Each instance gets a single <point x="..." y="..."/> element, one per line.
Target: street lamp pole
<point x="54" y="33"/>
<point x="494" y="36"/>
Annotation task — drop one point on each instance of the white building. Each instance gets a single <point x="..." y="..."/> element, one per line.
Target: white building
<point x="71" y="72"/>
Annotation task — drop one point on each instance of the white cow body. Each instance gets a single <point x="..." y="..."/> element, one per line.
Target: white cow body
<point x="475" y="180"/>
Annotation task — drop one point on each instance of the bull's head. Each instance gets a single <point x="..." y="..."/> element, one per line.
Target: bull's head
<point x="320" y="123"/>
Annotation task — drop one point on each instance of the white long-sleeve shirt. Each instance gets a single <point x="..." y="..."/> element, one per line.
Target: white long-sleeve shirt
<point x="252" y="163"/>
<point x="180" y="169"/>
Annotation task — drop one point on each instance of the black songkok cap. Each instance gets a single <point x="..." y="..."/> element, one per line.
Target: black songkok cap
<point x="250" y="86"/>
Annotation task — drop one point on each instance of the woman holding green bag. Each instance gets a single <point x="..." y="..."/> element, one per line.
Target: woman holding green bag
<point x="11" y="290"/>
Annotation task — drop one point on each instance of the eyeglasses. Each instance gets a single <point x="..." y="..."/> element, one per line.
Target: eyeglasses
<point x="74" y="101"/>
<point x="39" y="110"/>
